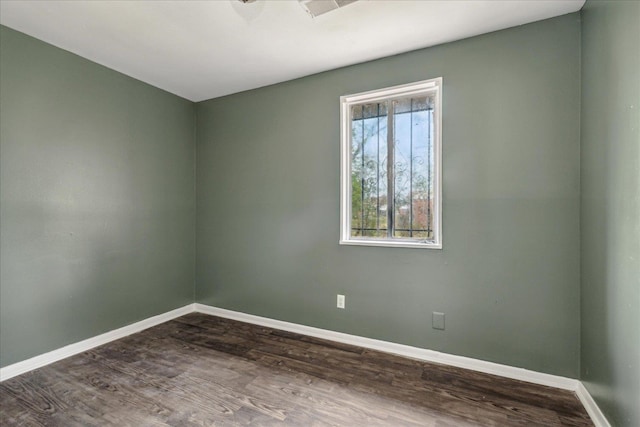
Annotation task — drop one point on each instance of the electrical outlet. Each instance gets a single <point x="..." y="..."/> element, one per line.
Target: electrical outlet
<point x="437" y="320"/>
<point x="341" y="301"/>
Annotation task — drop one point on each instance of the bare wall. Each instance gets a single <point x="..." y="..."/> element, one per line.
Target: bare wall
<point x="508" y="275"/>
<point x="610" y="214"/>
<point x="97" y="199"/>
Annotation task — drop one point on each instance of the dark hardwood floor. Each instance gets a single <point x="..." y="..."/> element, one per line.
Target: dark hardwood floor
<point x="200" y="370"/>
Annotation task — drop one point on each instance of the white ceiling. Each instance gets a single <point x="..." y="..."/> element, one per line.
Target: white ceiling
<point x="205" y="49"/>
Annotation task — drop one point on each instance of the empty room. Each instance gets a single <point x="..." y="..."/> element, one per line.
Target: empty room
<point x="320" y="213"/>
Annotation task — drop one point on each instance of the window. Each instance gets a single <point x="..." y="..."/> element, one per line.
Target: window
<point x="391" y="167"/>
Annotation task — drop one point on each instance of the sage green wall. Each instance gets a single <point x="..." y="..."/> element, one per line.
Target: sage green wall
<point x="97" y="199"/>
<point x="610" y="210"/>
<point x="508" y="276"/>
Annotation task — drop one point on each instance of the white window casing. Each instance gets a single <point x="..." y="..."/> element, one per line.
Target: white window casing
<point x="431" y="88"/>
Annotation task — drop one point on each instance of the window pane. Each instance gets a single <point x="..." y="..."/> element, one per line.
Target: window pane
<point x="413" y="167"/>
<point x="356" y="161"/>
<point x="368" y="143"/>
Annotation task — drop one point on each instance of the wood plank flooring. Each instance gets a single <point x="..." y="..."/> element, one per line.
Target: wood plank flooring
<point x="201" y="370"/>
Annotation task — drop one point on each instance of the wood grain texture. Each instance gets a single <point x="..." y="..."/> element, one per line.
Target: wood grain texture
<point x="201" y="370"/>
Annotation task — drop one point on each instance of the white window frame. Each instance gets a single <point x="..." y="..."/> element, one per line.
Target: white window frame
<point x="432" y="86"/>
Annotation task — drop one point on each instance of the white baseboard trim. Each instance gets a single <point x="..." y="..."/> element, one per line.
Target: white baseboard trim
<point x="400" y="349"/>
<point x="84" y="345"/>
<point x="598" y="418"/>
<point x="521" y="374"/>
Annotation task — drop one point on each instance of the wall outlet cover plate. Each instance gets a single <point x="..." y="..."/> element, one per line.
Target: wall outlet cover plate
<point x="438" y="320"/>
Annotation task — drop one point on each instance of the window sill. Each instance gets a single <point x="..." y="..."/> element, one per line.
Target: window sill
<point x="391" y="243"/>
